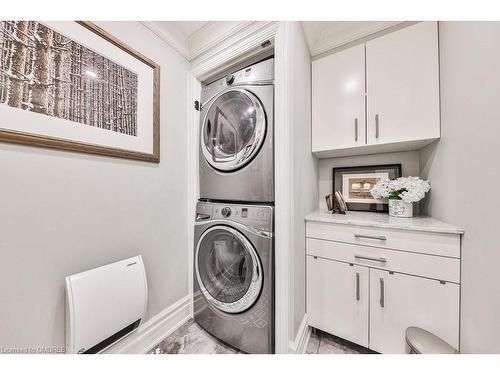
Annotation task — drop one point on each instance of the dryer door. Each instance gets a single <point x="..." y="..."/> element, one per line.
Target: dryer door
<point x="233" y="130"/>
<point x="228" y="269"/>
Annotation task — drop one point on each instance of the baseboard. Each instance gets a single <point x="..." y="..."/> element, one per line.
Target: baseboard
<point x="299" y="345"/>
<point x="154" y="330"/>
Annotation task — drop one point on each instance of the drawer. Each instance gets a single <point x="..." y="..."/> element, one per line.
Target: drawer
<point x="431" y="266"/>
<point x="420" y="242"/>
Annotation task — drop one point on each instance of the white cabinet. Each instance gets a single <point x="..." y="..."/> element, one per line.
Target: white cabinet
<point x="402" y="70"/>
<point x="401" y="301"/>
<point x="337" y="298"/>
<point x="338" y="100"/>
<point x="388" y="86"/>
<point x="368" y="280"/>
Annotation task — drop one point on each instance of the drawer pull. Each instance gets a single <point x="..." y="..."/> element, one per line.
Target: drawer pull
<point x="382" y="293"/>
<point x="381" y="238"/>
<point x="381" y="260"/>
<point x="357" y="286"/>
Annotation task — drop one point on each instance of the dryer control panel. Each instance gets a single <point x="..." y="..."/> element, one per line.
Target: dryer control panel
<point x="259" y="73"/>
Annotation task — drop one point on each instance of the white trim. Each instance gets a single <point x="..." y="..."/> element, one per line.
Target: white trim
<point x="211" y="34"/>
<point x="169" y="35"/>
<point x="201" y="41"/>
<point x="154" y="330"/>
<point x="236" y="48"/>
<point x="283" y="173"/>
<point x="193" y="90"/>
<point x="325" y="36"/>
<point x="299" y="345"/>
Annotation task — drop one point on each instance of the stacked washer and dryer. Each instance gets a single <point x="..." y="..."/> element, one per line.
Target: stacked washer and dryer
<point x="234" y="226"/>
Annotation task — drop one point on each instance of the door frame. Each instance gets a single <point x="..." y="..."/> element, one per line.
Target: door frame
<point x="238" y="47"/>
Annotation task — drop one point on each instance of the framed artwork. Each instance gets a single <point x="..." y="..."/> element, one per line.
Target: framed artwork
<point x="73" y="86"/>
<point x="355" y="184"/>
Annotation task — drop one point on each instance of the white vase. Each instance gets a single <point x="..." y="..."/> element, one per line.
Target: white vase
<point x="400" y="208"/>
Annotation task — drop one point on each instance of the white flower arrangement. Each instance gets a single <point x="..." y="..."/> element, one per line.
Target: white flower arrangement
<point x="409" y="189"/>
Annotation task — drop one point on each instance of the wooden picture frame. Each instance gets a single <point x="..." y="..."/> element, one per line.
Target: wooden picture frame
<point x="38" y="140"/>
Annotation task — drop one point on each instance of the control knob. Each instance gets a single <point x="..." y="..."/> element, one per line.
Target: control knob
<point x="226" y="212"/>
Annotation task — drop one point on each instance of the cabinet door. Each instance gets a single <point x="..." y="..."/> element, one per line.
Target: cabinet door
<point x="337" y="298"/>
<point x="400" y="301"/>
<point x="338" y="100"/>
<point x="402" y="73"/>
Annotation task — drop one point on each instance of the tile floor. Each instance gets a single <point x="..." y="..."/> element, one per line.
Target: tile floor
<point x="323" y="343"/>
<point x="190" y="338"/>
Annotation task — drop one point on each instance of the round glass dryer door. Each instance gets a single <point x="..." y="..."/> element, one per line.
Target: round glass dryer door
<point x="233" y="130"/>
<point x="228" y="269"/>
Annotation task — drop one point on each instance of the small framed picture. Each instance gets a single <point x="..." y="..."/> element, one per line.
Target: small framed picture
<point x="355" y="184"/>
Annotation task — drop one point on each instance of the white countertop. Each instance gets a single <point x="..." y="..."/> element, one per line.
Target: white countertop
<point x="383" y="220"/>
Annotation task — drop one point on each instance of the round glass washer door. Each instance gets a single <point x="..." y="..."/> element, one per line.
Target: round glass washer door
<point x="233" y="130"/>
<point x="228" y="269"/>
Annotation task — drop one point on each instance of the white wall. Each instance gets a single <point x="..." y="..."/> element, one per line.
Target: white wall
<point x="305" y="170"/>
<point x="409" y="163"/>
<point x="63" y="212"/>
<point x="463" y="171"/>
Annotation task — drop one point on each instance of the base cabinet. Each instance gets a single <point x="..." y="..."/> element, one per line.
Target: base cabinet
<point x="367" y="283"/>
<point x="337" y="298"/>
<point x="373" y="307"/>
<point x="400" y="301"/>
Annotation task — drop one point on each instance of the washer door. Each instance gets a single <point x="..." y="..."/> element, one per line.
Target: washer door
<point x="233" y="130"/>
<point x="228" y="269"/>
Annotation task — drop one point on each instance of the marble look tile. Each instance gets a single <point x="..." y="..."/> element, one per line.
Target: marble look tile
<point x="313" y="345"/>
<point x="324" y="343"/>
<point x="345" y="346"/>
<point x="191" y="339"/>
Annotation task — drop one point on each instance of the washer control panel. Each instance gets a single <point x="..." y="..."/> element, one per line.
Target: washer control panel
<point x="255" y="216"/>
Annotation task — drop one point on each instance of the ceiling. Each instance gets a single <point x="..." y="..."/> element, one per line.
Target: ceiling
<point x="193" y="38"/>
<point x="187" y="28"/>
<point x="323" y="36"/>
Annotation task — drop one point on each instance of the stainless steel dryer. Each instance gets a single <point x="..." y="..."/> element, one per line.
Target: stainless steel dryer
<point x="234" y="274"/>
<point x="236" y="141"/>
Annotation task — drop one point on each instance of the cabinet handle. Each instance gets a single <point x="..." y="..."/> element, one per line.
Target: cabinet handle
<point x="355" y="130"/>
<point x="381" y="260"/>
<point x="381" y="238"/>
<point x="357" y="286"/>
<point x="382" y="293"/>
<point x="377" y="127"/>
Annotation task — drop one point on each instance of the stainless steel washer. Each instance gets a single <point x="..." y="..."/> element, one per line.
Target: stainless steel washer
<point x="236" y="140"/>
<point x="234" y="274"/>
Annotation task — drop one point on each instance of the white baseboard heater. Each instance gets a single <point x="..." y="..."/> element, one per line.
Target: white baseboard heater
<point x="105" y="304"/>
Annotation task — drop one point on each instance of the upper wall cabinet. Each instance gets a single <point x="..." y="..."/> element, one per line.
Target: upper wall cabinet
<point x="401" y="110"/>
<point x="338" y="100"/>
<point x="402" y="71"/>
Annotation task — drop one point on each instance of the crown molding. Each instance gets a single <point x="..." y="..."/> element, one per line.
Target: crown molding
<point x="325" y="36"/>
<point x="169" y="34"/>
<point x="212" y="34"/>
<point x="201" y="41"/>
<point x="234" y="48"/>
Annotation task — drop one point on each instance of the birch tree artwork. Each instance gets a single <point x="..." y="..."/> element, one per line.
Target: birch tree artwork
<point x="45" y="72"/>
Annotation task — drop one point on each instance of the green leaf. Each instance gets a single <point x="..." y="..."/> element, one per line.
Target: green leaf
<point x="395" y="194"/>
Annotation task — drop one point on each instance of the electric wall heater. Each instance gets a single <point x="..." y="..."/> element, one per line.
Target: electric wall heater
<point x="105" y="304"/>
